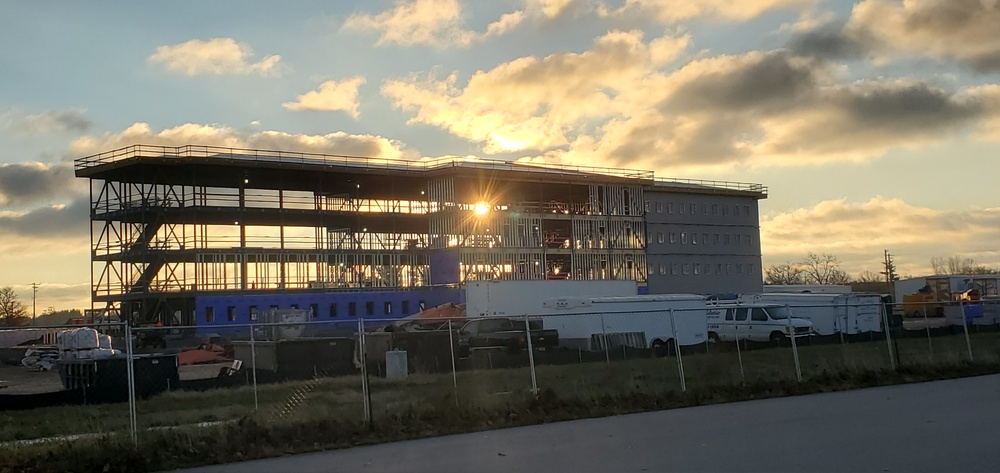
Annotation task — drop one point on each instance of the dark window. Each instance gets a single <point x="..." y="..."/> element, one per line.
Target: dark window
<point x="295" y="306"/>
<point x="406" y="308"/>
<point x="759" y="315"/>
<point x="333" y="309"/>
<point x="741" y="314"/>
<point x="314" y="310"/>
<point x="388" y="307"/>
<point x="369" y="308"/>
<point x="496" y="325"/>
<point x="231" y="313"/>
<point x="352" y="309"/>
<point x="210" y="314"/>
<point x="253" y="312"/>
<point x="729" y="314"/>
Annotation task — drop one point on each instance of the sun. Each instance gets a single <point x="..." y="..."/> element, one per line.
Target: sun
<point x="481" y="208"/>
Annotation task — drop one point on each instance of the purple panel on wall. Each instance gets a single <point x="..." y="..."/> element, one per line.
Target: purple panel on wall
<point x="444" y="266"/>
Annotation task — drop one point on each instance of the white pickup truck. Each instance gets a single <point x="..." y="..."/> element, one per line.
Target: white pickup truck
<point x="755" y="322"/>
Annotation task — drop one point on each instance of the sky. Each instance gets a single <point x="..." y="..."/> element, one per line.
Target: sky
<point x="874" y="124"/>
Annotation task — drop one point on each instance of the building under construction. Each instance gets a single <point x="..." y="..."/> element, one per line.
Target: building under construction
<point x="200" y="234"/>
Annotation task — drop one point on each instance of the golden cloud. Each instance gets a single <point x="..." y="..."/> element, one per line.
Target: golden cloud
<point x="331" y="96"/>
<point x="215" y="56"/>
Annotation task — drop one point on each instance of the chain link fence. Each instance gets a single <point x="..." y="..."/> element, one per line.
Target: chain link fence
<point x="62" y="383"/>
<point x="292" y="368"/>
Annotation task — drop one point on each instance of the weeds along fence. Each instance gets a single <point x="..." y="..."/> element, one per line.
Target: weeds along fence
<point x="375" y="371"/>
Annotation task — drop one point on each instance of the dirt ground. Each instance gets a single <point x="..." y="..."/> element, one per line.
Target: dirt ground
<point x="18" y="380"/>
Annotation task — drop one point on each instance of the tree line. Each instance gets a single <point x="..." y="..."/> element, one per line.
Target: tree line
<point x="825" y="269"/>
<point x="13" y="312"/>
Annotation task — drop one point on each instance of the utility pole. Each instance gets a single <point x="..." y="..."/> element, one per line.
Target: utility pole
<point x="34" y="291"/>
<point x="890" y="272"/>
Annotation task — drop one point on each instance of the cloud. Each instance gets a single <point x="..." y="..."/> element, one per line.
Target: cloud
<point x="535" y="103"/>
<point x="49" y="221"/>
<point x="673" y="11"/>
<point x="618" y="105"/>
<point x="331" y="96"/>
<point x="858" y="232"/>
<point x="215" y="56"/>
<point x="23" y="184"/>
<point x="215" y="135"/>
<point x="410" y="22"/>
<point x="963" y="31"/>
<point x="827" y="40"/>
<point x="989" y="96"/>
<point x="53" y="121"/>
<point x="440" y="23"/>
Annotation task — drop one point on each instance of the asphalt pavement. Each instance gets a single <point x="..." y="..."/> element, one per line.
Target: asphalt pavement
<point x="941" y="426"/>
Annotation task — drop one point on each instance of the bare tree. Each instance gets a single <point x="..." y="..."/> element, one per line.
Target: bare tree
<point x="958" y="265"/>
<point x="837" y="276"/>
<point x="12" y="311"/>
<point x="823" y="269"/>
<point x="939" y="265"/>
<point x="870" y="276"/>
<point x="785" y="273"/>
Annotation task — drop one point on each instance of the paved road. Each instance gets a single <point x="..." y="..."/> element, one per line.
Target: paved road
<point x="935" y="427"/>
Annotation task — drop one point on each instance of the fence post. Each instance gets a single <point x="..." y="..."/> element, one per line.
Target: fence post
<point x="531" y="356"/>
<point x="454" y="372"/>
<point x="365" y="389"/>
<point x="130" y="370"/>
<point x="604" y="340"/>
<point x="677" y="351"/>
<point x="795" y="346"/>
<point x="965" y="327"/>
<point x="930" y="345"/>
<point x="253" y="367"/>
<point x="888" y="336"/>
<point x="736" y="338"/>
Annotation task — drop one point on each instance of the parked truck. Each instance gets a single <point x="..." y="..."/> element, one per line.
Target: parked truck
<point x="655" y="322"/>
<point x="502" y="332"/>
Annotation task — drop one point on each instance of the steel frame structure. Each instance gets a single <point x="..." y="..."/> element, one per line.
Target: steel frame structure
<point x="171" y="223"/>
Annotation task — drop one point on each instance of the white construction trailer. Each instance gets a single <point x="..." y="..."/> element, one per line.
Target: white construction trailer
<point x="830" y="314"/>
<point x="518" y="298"/>
<point x="647" y="321"/>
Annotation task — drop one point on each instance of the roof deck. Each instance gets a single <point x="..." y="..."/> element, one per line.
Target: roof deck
<point x="291" y="167"/>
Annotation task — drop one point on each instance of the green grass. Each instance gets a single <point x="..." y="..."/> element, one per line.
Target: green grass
<point x="327" y="412"/>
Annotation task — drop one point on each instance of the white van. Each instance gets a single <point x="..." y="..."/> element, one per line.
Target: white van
<point x="754" y="322"/>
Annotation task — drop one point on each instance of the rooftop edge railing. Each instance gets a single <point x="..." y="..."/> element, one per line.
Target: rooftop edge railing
<point x="709" y="184"/>
<point x="259" y="155"/>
